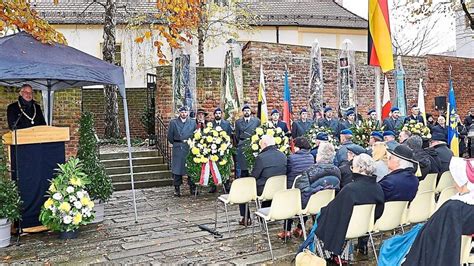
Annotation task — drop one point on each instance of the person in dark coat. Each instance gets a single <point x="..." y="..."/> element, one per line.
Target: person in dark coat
<point x="438" y="243"/>
<point x="350" y="120"/>
<point x="277" y="122"/>
<point x="440" y="128"/>
<point x="180" y="129"/>
<point x="438" y="143"/>
<point x="301" y="126"/>
<point x="401" y="184"/>
<point x="415" y="115"/>
<point x="25" y="112"/>
<point x="372" y="118"/>
<point x="394" y="122"/>
<point x="330" y="121"/>
<point x="345" y="167"/>
<point x="334" y="218"/>
<point x="346" y="141"/>
<point x="201" y="121"/>
<point x="220" y="122"/>
<point x="469" y="125"/>
<point x="270" y="162"/>
<point x="244" y="129"/>
<point x="298" y="162"/>
<point x="422" y="156"/>
<point x="403" y="136"/>
<point x="389" y="138"/>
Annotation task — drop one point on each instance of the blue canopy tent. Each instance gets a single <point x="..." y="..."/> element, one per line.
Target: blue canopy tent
<point x="49" y="68"/>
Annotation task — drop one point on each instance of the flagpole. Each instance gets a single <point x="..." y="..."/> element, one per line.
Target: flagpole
<point x="378" y="97"/>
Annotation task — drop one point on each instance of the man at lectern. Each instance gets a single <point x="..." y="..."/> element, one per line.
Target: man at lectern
<point x="25" y="112"/>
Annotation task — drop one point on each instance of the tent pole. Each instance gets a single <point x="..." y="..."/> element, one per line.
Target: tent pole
<point x="50" y="116"/>
<point x="127" y="130"/>
<point x="378" y="98"/>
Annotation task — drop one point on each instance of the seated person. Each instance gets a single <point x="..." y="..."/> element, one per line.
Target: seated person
<point x="334" y="218"/>
<point x="270" y="162"/>
<point x="439" y="241"/>
<point x="380" y="156"/>
<point x="345" y="167"/>
<point x="401" y="184"/>
<point x="424" y="157"/>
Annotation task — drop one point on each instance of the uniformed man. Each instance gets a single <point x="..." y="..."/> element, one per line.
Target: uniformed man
<point x="179" y="130"/>
<point x="244" y="129"/>
<point x="350" y="119"/>
<point x="25" y="112"/>
<point x="390" y="141"/>
<point x="330" y="121"/>
<point x="415" y="115"/>
<point x="277" y="122"/>
<point x="219" y="121"/>
<point x="346" y="141"/>
<point x="300" y="127"/>
<point x="372" y="117"/>
<point x="394" y="122"/>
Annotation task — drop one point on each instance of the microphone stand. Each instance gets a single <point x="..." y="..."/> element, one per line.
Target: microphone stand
<point x="17" y="175"/>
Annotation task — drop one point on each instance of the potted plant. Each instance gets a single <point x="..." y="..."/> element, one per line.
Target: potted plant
<point x="100" y="187"/>
<point x="68" y="205"/>
<point x="10" y="201"/>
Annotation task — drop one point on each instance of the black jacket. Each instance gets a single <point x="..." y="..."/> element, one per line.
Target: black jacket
<point x="346" y="173"/>
<point x="400" y="185"/>
<point x="424" y="160"/>
<point x="14" y="113"/>
<point x="334" y="218"/>
<point x="440" y="130"/>
<point x="444" y="155"/>
<point x="297" y="164"/>
<point x="313" y="174"/>
<point x="270" y="162"/>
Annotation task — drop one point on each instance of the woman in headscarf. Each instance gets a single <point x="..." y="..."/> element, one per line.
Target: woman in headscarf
<point x="439" y="241"/>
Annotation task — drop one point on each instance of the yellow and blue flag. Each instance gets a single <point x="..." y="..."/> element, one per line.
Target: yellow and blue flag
<point x="453" y="135"/>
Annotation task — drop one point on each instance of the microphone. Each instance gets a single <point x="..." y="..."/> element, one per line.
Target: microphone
<point x="15" y="125"/>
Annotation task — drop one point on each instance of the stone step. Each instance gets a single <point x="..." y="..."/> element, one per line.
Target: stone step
<point x="136" y="161"/>
<point x="124" y="155"/>
<point x="136" y="169"/>
<point x="146" y="176"/>
<point x="143" y="184"/>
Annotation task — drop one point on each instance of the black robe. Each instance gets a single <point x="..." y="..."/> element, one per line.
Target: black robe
<point x="335" y="218"/>
<point x="14" y="113"/>
<point x="439" y="241"/>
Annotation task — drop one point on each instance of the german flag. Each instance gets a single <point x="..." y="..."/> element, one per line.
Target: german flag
<point x="379" y="41"/>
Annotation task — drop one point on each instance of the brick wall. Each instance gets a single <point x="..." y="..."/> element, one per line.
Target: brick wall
<point x="67" y="111"/>
<point x="274" y="57"/>
<point x="93" y="101"/>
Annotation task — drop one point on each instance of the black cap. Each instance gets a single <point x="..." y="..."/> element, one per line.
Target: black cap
<point x="403" y="152"/>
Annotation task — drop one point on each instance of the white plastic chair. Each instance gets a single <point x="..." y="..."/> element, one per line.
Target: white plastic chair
<point x="362" y="223"/>
<point x="421" y="207"/>
<point x="428" y="184"/>
<point x="242" y="191"/>
<point x="286" y="204"/>
<point x="466" y="242"/>
<point x="392" y="216"/>
<point x="445" y="195"/>
<point x="446" y="180"/>
<point x="319" y="200"/>
<point x="273" y="185"/>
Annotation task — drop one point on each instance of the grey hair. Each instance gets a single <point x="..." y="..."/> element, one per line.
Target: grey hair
<point x="326" y="153"/>
<point x="415" y="142"/>
<point x="364" y="163"/>
<point x="268" y="140"/>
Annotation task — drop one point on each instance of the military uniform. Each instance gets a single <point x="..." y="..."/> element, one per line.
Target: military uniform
<point x="300" y="127"/>
<point x="392" y="124"/>
<point x="224" y="124"/>
<point x="333" y="124"/>
<point x="243" y="131"/>
<point x="178" y="133"/>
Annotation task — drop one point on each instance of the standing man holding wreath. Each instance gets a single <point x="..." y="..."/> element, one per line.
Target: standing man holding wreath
<point x="25" y="112"/>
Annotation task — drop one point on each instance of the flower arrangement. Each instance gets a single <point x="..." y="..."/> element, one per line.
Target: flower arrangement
<point x="69" y="205"/>
<point x="361" y="134"/>
<point x="210" y="156"/>
<point x="252" y="145"/>
<point x="314" y="130"/>
<point x="417" y="128"/>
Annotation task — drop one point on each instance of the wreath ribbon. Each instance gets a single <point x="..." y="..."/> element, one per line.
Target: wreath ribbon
<point x="210" y="169"/>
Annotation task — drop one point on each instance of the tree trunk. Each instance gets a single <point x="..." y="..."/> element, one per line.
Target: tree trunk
<point x="201" y="37"/>
<point x="108" y="52"/>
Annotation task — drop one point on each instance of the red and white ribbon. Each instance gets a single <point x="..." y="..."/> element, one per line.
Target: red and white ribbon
<point x="210" y="169"/>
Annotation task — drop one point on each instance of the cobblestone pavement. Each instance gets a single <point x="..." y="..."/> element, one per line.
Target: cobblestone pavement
<point x="166" y="232"/>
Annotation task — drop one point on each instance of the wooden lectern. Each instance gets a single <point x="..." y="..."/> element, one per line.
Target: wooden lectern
<point x="33" y="161"/>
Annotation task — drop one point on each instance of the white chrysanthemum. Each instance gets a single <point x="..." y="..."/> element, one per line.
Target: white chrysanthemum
<point x="222" y="153"/>
<point x="69" y="189"/>
<point x="219" y="128"/>
<point x="219" y="140"/>
<point x="72" y="198"/>
<point x="80" y="194"/>
<point x="67" y="219"/>
<point x="77" y="204"/>
<point x="213" y="146"/>
<point x="57" y="196"/>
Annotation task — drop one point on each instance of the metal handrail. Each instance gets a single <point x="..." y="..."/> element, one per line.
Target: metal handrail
<point x="162" y="141"/>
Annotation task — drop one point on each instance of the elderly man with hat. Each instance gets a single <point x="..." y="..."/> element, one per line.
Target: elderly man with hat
<point x="301" y="126"/>
<point x="394" y="122"/>
<point x="438" y="143"/>
<point x="389" y="138"/>
<point x="219" y="121"/>
<point x="346" y="143"/>
<point x="400" y="184"/>
<point x="330" y="121"/>
<point x="415" y="115"/>
<point x="275" y="119"/>
<point x="244" y="129"/>
<point x="180" y="129"/>
<point x="201" y="121"/>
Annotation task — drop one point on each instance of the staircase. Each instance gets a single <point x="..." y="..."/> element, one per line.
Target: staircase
<point x="149" y="170"/>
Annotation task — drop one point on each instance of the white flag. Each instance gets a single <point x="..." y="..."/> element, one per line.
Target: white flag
<point x="421" y="100"/>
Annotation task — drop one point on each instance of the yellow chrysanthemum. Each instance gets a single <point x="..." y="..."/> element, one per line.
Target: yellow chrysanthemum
<point x="270" y="132"/>
<point x="255" y="147"/>
<point x="259" y="131"/>
<point x="214" y="158"/>
<point x="277" y="140"/>
<point x="209" y="124"/>
<point x="75" y="181"/>
<point x="223" y="133"/>
<point x="196" y="160"/>
<point x="52" y="188"/>
<point x="254" y="138"/>
<point x="195" y="150"/>
<point x="48" y="203"/>
<point x="223" y="162"/>
<point x="283" y="149"/>
<point x="65" y="206"/>
<point x="209" y="139"/>
<point x="85" y="201"/>
<point x="223" y="147"/>
<point x="197" y="135"/>
<point x="77" y="219"/>
<point x="204" y="160"/>
<point x="206" y="130"/>
<point x="215" y="133"/>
